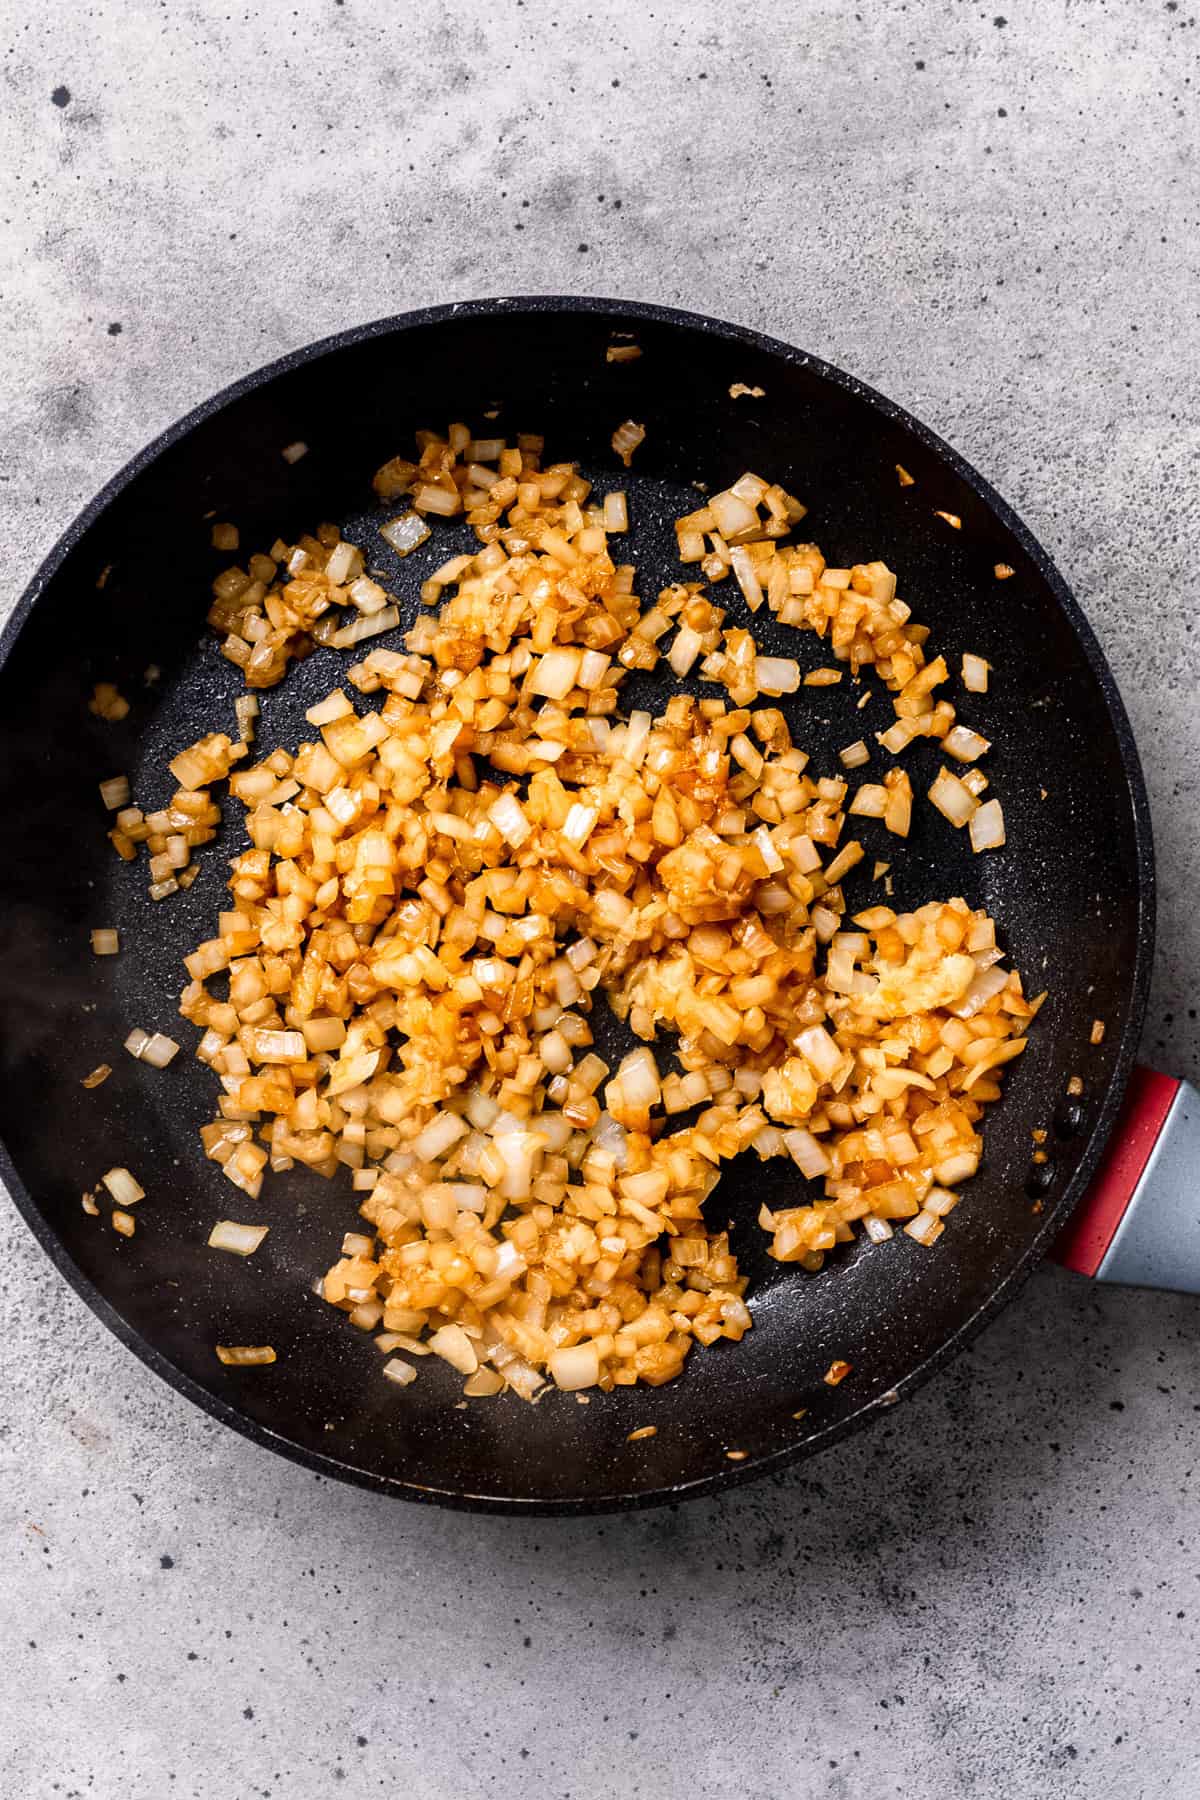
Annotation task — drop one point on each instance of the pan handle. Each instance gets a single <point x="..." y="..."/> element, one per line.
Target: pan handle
<point x="1139" y="1222"/>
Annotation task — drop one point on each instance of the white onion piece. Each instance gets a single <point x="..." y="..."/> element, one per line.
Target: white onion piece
<point x="241" y="1356"/>
<point x="637" y="736"/>
<point x="985" y="985"/>
<point x="616" y="512"/>
<point x="776" y="674"/>
<point x="483" y="1383"/>
<point x="506" y="815"/>
<point x="368" y="596"/>
<point x="952" y="799"/>
<point x="579" y="824"/>
<point x="764" y="844"/>
<point x="960" y="1167"/>
<point x="609" y="1135"/>
<point x="442" y="502"/>
<point x="509" y="1263"/>
<point x="825" y="923"/>
<point x="869" y="802"/>
<point x="405" y="533"/>
<point x="807" y="1153"/>
<point x="897" y="737"/>
<point x="402" y="1373"/>
<point x="555" y="674"/>
<point x="684" y="651"/>
<point x="746" y="577"/>
<point x="987" y="827"/>
<point x="593" y="667"/>
<point x="638" y="1076"/>
<point x="626" y="438"/>
<point x="467" y="1196"/>
<point x="341" y="562"/>
<point x="123" y="1188"/>
<point x="115" y="793"/>
<point x="438" y="1211"/>
<point x="519" y="1151"/>
<point x="443" y="1129"/>
<point x="732" y="514"/>
<point x="241" y="1240"/>
<point x="453" y="1345"/>
<point x="963" y="744"/>
<point x="819" y="1051"/>
<point x="975" y="674"/>
<point x="334" y="706"/>
<point x="577" y="1367"/>
<point x="361" y="627"/>
<point x="481" y="1109"/>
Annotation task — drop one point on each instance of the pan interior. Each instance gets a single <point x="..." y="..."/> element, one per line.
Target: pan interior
<point x="1064" y="889"/>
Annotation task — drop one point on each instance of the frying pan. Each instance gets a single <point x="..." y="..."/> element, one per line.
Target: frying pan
<point x="127" y="588"/>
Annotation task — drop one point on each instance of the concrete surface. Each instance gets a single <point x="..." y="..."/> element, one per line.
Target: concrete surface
<point x="991" y="217"/>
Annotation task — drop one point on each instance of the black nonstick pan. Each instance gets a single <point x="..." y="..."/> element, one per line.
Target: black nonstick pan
<point x="127" y="588"/>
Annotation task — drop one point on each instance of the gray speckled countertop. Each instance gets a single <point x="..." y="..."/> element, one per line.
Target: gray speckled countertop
<point x="994" y="219"/>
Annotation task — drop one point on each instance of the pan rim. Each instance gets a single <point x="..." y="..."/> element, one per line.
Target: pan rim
<point x="772" y="1462"/>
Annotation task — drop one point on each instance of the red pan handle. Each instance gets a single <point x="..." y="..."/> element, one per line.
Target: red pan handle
<point x="1139" y="1222"/>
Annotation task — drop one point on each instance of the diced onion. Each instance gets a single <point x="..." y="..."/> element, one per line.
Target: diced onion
<point x="455" y="1347"/>
<point x="746" y="577"/>
<point x="506" y="815"/>
<point x="963" y="744"/>
<point x="987" y="827"/>
<point x="731" y="514"/>
<point x="362" y="627"/>
<point x="482" y="1383"/>
<point x="806" y="1153"/>
<point x="407" y="532"/>
<point x="123" y="1188"/>
<point x="341" y="560"/>
<point x="115" y="793"/>
<point x="242" y="1240"/>
<point x="555" y="675"/>
<point x="626" y="438"/>
<point x="616" y="512"/>
<point x="952" y="799"/>
<point x="443" y="1130"/>
<point x="578" y="1367"/>
<point x="684" y="650"/>
<point x="440" y="892"/>
<point x="776" y="674"/>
